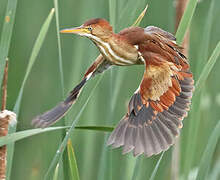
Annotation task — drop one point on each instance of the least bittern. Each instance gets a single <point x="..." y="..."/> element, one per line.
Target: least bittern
<point x="158" y="106"/>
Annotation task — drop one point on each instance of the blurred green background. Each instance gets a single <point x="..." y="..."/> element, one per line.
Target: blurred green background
<point x="108" y="104"/>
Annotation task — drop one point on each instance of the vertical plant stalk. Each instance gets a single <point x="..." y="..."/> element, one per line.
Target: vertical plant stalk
<point x="5" y="38"/>
<point x="4" y="86"/>
<point x="66" y="170"/>
<point x="3" y="124"/>
<point x="5" y="117"/>
<point x="4" y="121"/>
<point x="180" y="7"/>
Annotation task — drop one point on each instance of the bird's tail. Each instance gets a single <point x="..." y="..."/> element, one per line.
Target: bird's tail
<point x="50" y="117"/>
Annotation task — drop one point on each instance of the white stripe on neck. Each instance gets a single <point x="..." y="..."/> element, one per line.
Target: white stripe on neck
<point x="120" y="59"/>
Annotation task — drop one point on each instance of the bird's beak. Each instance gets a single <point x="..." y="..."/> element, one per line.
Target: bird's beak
<point x="77" y="30"/>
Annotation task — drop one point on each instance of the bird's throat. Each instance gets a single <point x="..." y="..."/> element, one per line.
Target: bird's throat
<point x="116" y="51"/>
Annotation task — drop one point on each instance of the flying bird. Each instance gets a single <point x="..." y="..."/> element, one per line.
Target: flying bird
<point x="163" y="98"/>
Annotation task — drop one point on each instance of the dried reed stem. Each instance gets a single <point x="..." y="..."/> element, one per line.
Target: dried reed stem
<point x="6" y="117"/>
<point x="4" y="121"/>
<point x="180" y="7"/>
<point x="4" y="88"/>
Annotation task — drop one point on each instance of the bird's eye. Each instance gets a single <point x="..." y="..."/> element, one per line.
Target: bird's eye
<point x="90" y="29"/>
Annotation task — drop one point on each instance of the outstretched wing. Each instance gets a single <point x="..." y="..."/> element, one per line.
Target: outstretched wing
<point x="157" y="108"/>
<point x="50" y="117"/>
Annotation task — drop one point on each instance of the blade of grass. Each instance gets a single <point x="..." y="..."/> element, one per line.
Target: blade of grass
<point x="185" y="20"/>
<point x="193" y="130"/>
<point x="129" y="7"/>
<point x="203" y="55"/>
<point x="124" y="10"/>
<point x="140" y="17"/>
<point x="105" y="163"/>
<point x="208" y="67"/>
<point x="62" y="146"/>
<point x="6" y="34"/>
<point x="180" y="7"/>
<point x="156" y="167"/>
<point x="112" y="12"/>
<point x="65" y="156"/>
<point x="34" y="53"/>
<point x="72" y="161"/>
<point x="136" y="168"/>
<point x="13" y="137"/>
<point x="59" y="46"/>
<point x="96" y="128"/>
<point x="38" y="43"/>
<point x="194" y="124"/>
<point x="208" y="153"/>
<point x="56" y="173"/>
<point x="215" y="174"/>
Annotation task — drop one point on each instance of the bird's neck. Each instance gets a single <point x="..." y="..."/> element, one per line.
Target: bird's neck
<point x="117" y="50"/>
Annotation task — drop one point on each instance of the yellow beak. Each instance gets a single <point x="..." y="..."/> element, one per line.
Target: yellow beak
<point x="77" y="30"/>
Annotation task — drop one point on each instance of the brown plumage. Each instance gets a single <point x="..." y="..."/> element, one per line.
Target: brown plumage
<point x="157" y="108"/>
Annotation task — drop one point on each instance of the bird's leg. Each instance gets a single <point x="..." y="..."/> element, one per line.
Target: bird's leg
<point x="50" y="117"/>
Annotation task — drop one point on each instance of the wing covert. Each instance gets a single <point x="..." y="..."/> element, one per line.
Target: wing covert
<point x="157" y="108"/>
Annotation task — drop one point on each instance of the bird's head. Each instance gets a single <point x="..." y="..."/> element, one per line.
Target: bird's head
<point x="93" y="29"/>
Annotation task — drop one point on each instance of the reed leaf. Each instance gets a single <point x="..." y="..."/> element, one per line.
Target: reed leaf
<point x="208" y="154"/>
<point x="72" y="161"/>
<point x="13" y="137"/>
<point x="6" y="34"/>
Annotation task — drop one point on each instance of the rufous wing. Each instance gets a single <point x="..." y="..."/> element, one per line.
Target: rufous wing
<point x="155" y="111"/>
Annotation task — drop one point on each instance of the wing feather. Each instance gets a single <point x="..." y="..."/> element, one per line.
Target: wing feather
<point x="157" y="108"/>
